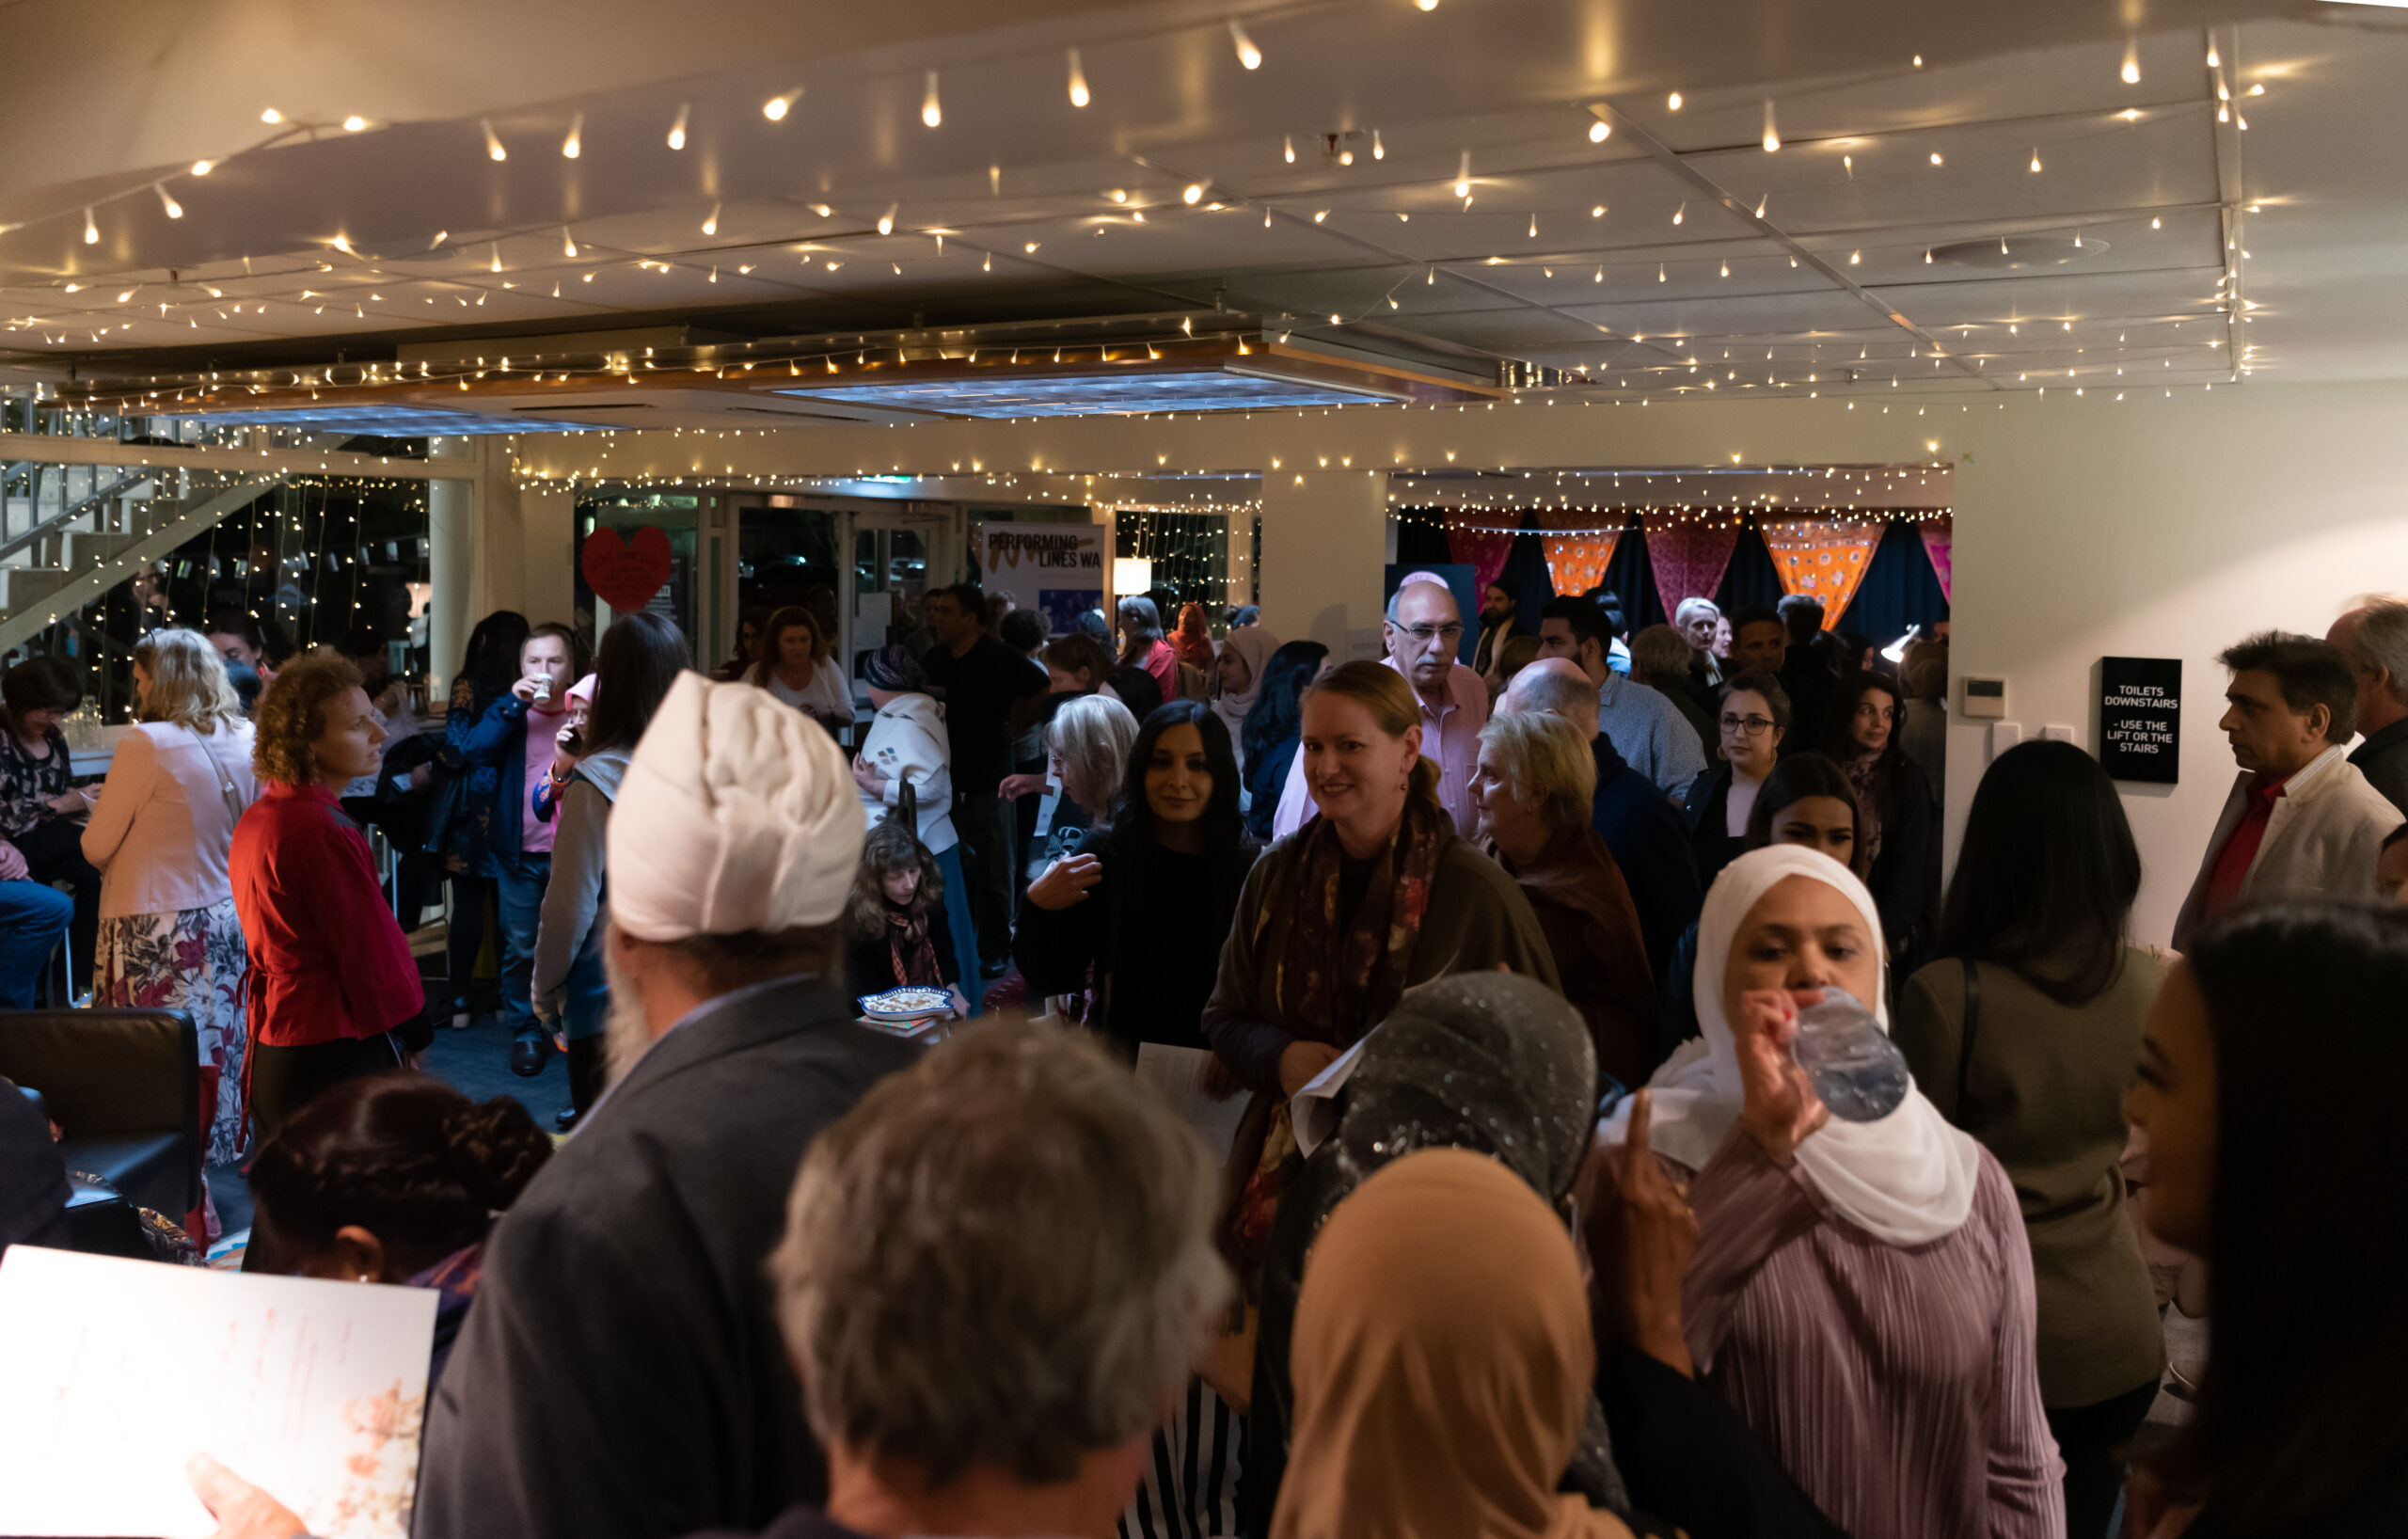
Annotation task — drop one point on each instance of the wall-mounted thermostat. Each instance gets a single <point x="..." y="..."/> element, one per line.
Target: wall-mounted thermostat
<point x="1985" y="698"/>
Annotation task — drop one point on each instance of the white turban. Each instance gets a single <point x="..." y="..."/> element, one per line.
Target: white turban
<point x="738" y="813"/>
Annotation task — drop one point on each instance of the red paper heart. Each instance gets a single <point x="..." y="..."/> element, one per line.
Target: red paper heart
<point x="625" y="571"/>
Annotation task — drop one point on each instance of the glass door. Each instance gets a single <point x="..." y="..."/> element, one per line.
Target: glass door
<point x="899" y="553"/>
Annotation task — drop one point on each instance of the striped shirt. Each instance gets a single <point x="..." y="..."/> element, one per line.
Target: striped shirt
<point x="1897" y="1385"/>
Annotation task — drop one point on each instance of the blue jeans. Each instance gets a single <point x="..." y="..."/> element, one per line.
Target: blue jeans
<point x="957" y="918"/>
<point x="32" y="918"/>
<point x="585" y="1006"/>
<point x="519" y="882"/>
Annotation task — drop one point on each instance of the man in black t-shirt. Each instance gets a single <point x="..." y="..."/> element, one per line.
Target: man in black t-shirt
<point x="980" y="680"/>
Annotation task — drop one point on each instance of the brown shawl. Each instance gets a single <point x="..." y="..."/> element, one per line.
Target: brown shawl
<point x="1337" y="975"/>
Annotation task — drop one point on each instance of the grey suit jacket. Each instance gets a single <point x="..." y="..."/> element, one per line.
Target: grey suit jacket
<point x="621" y="1373"/>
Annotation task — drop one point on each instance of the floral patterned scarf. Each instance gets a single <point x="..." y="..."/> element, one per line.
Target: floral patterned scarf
<point x="1865" y="777"/>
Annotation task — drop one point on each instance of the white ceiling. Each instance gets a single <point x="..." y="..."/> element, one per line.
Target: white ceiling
<point x="1831" y="290"/>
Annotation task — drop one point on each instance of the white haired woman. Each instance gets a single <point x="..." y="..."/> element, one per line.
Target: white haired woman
<point x="168" y="938"/>
<point x="1535" y="780"/>
<point x="1863" y="1292"/>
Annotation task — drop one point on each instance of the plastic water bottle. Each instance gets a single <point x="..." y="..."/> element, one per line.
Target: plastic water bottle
<point x="1857" y="1070"/>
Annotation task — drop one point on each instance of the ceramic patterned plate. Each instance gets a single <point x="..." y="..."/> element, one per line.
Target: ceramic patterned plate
<point x="906" y="1004"/>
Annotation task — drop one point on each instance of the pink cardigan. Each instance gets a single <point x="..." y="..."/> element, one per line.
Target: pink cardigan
<point x="161" y="831"/>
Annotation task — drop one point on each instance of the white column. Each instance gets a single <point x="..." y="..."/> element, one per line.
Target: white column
<point x="1324" y="543"/>
<point x="452" y="564"/>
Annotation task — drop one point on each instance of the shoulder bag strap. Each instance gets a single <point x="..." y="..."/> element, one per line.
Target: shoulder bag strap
<point x="235" y="806"/>
<point x="1965" y="1042"/>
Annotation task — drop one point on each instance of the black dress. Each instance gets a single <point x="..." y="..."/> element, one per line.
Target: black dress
<point x="1708" y="811"/>
<point x="1148" y="937"/>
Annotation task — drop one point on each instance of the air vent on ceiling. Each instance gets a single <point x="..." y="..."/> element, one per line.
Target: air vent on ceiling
<point x="2020" y="251"/>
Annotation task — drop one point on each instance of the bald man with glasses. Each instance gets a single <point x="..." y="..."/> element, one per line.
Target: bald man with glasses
<point x="1424" y="632"/>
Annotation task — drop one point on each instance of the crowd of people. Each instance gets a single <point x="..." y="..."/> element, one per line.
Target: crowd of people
<point x="1533" y="1219"/>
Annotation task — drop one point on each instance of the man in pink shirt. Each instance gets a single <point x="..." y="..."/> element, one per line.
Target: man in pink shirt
<point x="1424" y="632"/>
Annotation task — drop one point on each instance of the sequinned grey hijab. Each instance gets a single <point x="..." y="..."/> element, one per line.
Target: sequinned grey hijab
<point x="1489" y="1062"/>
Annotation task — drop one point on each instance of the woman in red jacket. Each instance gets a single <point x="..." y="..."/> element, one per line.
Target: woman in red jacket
<point x="331" y="974"/>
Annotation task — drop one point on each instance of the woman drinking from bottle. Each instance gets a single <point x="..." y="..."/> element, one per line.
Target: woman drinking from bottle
<point x="1862" y="1293"/>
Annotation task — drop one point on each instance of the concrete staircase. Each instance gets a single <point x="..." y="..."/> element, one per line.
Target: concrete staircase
<point x="69" y="533"/>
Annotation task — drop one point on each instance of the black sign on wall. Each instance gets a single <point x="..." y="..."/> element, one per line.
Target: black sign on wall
<point x="2140" y="717"/>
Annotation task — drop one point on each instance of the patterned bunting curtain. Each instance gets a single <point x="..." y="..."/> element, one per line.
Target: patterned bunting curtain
<point x="1939" y="543"/>
<point x="1480" y="549"/>
<point x="1577" y="562"/>
<point x="1689" y="555"/>
<point x="1826" y="558"/>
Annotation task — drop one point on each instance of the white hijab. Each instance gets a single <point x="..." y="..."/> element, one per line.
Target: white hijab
<point x="1907" y="1178"/>
<point x="1255" y="644"/>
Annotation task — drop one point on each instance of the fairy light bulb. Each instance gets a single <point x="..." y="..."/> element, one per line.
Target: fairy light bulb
<point x="1681" y="212"/>
<point x="568" y="246"/>
<point x="711" y="225"/>
<point x="1462" y="176"/>
<point x="1193" y="193"/>
<point x="202" y="167"/>
<point x="677" y="128"/>
<point x="1079" y="97"/>
<point x="2132" y="64"/>
<point x="1772" y="134"/>
<point x="1599" y="130"/>
<point x="343" y="244"/>
<point x="776" y="107"/>
<point x="1248" y="55"/>
<point x="931" y="110"/>
<point x="1288" y="147"/>
<point x="886" y="220"/>
<point x="496" y="256"/>
<point x="2036" y="158"/>
<point x="354" y="123"/>
<point x="1935" y="157"/>
<point x="574" y="144"/>
<point x="1379" y="150"/>
<point x="271" y="116"/>
<point x="175" y="210"/>
<point x="1761" y="204"/>
<point x="493" y="142"/>
<point x="2213" y="61"/>
<point x="1673" y="102"/>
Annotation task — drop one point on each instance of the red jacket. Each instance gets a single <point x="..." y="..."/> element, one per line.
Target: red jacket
<point x="327" y="960"/>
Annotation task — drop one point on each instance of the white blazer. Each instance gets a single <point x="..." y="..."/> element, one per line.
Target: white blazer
<point x="2321" y="840"/>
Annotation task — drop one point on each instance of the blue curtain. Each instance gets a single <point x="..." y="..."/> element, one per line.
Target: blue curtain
<point x="1899" y="590"/>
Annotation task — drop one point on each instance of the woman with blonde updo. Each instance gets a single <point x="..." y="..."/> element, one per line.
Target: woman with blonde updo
<point x="168" y="937"/>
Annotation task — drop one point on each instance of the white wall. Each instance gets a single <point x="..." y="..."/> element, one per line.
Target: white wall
<point x="2086" y="526"/>
<point x="2170" y="531"/>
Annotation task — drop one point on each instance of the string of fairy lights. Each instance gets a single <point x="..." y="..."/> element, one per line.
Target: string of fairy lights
<point x="340" y="275"/>
<point x="1601" y="521"/>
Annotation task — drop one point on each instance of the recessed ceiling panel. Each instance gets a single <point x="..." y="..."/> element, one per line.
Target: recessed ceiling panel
<point x="1094" y="395"/>
<point x="392" y="422"/>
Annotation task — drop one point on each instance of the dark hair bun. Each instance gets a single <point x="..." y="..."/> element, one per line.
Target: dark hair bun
<point x="495" y="1149"/>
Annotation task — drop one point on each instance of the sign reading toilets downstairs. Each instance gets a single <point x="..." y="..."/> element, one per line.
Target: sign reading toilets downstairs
<point x="2140" y="717"/>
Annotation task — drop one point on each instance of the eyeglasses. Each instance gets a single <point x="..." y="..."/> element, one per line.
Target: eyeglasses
<point x="1754" y="726"/>
<point x="1425" y="635"/>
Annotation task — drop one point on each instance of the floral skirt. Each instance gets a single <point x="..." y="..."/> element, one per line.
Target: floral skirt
<point x="192" y="961"/>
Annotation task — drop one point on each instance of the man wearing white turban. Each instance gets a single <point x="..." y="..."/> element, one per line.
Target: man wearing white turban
<point x="621" y="1375"/>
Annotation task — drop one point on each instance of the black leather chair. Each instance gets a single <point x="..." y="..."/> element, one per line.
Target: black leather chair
<point x="124" y="1088"/>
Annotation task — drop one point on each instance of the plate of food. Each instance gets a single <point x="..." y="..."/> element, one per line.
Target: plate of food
<point x="907" y="1004"/>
